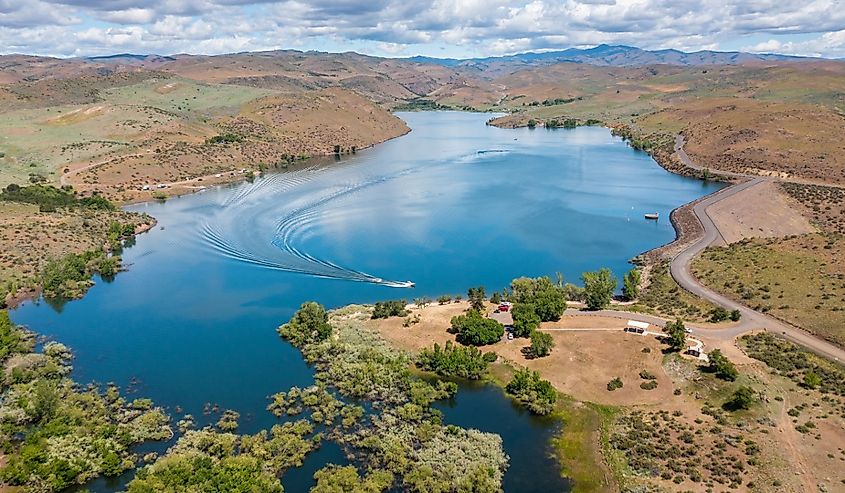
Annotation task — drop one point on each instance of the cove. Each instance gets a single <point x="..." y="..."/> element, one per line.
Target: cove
<point x="453" y="204"/>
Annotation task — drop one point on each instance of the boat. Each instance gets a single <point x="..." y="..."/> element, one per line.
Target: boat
<point x="652" y="215"/>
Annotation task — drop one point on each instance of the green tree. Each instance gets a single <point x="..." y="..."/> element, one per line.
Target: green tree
<point x="495" y="298"/>
<point x="309" y="324"/>
<point x="525" y="319"/>
<point x="541" y="343"/>
<point x="475" y="330"/>
<point x="677" y="334"/>
<point x="599" y="287"/>
<point x="812" y="380"/>
<point x="550" y="304"/>
<point x="742" y="398"/>
<point x="722" y="366"/>
<point x="631" y="284"/>
<point x="476" y="298"/>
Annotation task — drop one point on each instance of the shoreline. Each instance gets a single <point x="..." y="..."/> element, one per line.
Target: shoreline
<point x="233" y="176"/>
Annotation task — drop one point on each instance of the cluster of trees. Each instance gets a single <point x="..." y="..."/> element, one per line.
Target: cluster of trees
<point x="62" y="434"/>
<point x="545" y="298"/>
<point x="403" y="443"/>
<point x="206" y="460"/>
<point x="70" y="276"/>
<point x="473" y="329"/>
<point x="566" y="123"/>
<point x="536" y="300"/>
<point x="49" y="198"/>
<point x="392" y="308"/>
<point x="536" y="394"/>
<point x="309" y="324"/>
<point x="455" y="361"/>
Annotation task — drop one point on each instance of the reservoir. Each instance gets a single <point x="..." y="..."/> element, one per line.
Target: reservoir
<point x="453" y="204"/>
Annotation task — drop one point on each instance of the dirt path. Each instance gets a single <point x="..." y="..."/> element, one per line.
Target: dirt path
<point x="784" y="425"/>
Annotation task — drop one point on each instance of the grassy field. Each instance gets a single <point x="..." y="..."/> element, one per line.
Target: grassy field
<point x="798" y="279"/>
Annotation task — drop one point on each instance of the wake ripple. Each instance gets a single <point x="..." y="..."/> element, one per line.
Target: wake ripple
<point x="258" y="199"/>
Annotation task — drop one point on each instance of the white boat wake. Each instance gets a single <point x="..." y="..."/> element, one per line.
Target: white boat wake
<point x="291" y="205"/>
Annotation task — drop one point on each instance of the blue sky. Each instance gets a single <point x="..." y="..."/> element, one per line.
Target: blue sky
<point x="444" y="28"/>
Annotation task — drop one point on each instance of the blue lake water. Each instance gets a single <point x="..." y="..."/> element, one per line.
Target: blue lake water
<point x="453" y="204"/>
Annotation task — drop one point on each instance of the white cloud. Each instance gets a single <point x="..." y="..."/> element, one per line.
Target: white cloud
<point x="830" y="44"/>
<point x="472" y="27"/>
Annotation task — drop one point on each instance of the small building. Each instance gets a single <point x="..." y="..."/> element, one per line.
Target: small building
<point x="694" y="351"/>
<point x="636" y="327"/>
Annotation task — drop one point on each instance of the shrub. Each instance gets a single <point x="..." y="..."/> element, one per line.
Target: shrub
<point x="794" y="362"/>
<point x="475" y="330"/>
<point x="742" y="398"/>
<point x="536" y="394"/>
<point x="719" y="314"/>
<point x="49" y="198"/>
<point x="226" y="138"/>
<point x="614" y="384"/>
<point x="454" y="361"/>
<point x="393" y="308"/>
<point x="647" y="375"/>
<point x="649" y="385"/>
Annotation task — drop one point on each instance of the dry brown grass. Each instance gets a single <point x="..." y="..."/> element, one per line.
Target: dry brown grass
<point x="761" y="211"/>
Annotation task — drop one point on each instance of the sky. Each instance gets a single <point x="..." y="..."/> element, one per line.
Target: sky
<point x="398" y="28"/>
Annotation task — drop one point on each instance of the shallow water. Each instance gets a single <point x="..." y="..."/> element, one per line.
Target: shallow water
<point x="453" y="204"/>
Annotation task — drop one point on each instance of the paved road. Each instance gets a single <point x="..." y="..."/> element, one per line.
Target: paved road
<point x="751" y="319"/>
<point x="680" y="271"/>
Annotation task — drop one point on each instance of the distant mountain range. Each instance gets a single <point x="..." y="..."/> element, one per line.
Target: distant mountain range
<point x="616" y="56"/>
<point x="130" y="58"/>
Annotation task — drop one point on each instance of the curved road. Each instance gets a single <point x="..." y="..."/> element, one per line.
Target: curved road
<point x="751" y="319"/>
